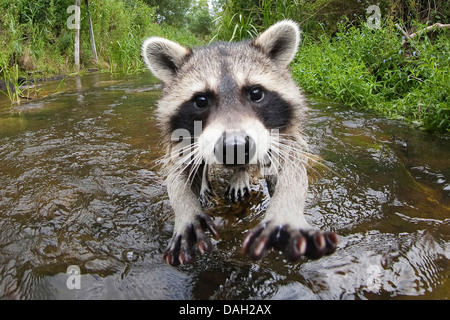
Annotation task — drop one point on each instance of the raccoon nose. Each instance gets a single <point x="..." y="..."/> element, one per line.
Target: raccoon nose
<point x="234" y="148"/>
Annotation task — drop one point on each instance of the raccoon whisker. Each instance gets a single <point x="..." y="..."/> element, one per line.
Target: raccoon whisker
<point x="191" y="174"/>
<point x="190" y="165"/>
<point x="293" y="139"/>
<point x="171" y="156"/>
<point x="292" y="156"/>
<point x="286" y="146"/>
<point x="305" y="157"/>
<point x="299" y="152"/>
<point x="194" y="166"/>
<point x="272" y="159"/>
<point x="176" y="152"/>
<point x="296" y="144"/>
<point x="311" y="157"/>
<point x="281" y="158"/>
<point x="186" y="161"/>
<point x="195" y="160"/>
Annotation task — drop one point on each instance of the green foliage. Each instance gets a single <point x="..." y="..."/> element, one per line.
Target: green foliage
<point x="119" y="28"/>
<point x="11" y="78"/>
<point x="234" y="28"/>
<point x="370" y="69"/>
<point x="323" y="16"/>
<point x="260" y="14"/>
<point x="200" y="21"/>
<point x="340" y="58"/>
<point x="172" y="12"/>
<point x="271" y="11"/>
<point x="344" y="60"/>
<point x="34" y="34"/>
<point x="235" y="21"/>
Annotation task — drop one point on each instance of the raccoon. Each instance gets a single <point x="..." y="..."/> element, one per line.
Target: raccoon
<point x="235" y="106"/>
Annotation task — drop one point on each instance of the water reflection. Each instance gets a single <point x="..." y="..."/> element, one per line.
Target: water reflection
<point x="79" y="187"/>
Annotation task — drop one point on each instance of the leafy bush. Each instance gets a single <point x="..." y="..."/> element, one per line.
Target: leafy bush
<point x="371" y="69"/>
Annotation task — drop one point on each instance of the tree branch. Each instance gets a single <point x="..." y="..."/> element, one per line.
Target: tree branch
<point x="409" y="37"/>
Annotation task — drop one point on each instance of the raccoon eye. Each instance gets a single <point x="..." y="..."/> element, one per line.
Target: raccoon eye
<point x="201" y="101"/>
<point x="256" y="94"/>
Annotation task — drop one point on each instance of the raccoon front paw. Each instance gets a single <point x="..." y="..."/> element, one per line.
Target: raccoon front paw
<point x="239" y="186"/>
<point x="294" y="243"/>
<point x="181" y="249"/>
<point x="206" y="195"/>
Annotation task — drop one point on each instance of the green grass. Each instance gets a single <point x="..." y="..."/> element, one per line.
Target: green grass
<point x="357" y="66"/>
<point x="234" y="28"/>
<point x="362" y="68"/>
<point x="36" y="43"/>
<point x="34" y="36"/>
<point x="370" y="69"/>
<point x="11" y="79"/>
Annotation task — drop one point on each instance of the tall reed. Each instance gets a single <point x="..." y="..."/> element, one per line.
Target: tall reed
<point x="11" y="78"/>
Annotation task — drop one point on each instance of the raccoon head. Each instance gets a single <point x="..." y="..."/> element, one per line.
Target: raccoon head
<point x="230" y="98"/>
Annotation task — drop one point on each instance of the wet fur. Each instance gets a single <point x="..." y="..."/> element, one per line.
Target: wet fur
<point x="225" y="73"/>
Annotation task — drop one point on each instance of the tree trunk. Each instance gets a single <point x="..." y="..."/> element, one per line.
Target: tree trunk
<point x="77" y="34"/>
<point x="91" y="31"/>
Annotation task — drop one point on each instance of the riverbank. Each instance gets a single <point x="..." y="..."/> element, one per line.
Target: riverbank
<point x="364" y="68"/>
<point x="38" y="41"/>
<point x="37" y="37"/>
<point x="374" y="69"/>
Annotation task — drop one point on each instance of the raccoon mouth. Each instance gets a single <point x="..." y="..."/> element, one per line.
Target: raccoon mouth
<point x="235" y="149"/>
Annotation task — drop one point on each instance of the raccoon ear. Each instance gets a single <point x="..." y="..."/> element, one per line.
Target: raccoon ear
<point x="280" y="42"/>
<point x="164" y="57"/>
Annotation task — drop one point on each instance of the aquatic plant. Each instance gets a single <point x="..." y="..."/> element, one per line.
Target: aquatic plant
<point x="12" y="84"/>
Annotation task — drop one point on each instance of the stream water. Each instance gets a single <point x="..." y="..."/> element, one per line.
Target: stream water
<point x="79" y="187"/>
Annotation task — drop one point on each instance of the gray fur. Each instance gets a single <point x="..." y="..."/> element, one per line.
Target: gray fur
<point x="224" y="69"/>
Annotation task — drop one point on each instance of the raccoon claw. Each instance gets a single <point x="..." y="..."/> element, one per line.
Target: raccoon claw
<point x="293" y="242"/>
<point x="239" y="186"/>
<point x="206" y="196"/>
<point x="259" y="240"/>
<point x="235" y="194"/>
<point x="181" y="249"/>
<point x="309" y="243"/>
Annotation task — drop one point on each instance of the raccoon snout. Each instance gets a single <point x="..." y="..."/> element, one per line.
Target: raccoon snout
<point x="235" y="148"/>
